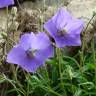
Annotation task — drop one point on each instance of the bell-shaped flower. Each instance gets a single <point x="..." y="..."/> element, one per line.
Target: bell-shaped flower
<point x="64" y="29"/>
<point x="31" y="52"/>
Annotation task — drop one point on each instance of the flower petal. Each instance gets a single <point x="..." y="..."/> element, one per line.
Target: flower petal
<point x="75" y="26"/>
<point x="35" y="41"/>
<point x="61" y="18"/>
<point x="43" y="41"/>
<point x="27" y="41"/>
<point x="68" y="40"/>
<point x="30" y="65"/>
<point x="16" y="55"/>
<point x="5" y="3"/>
<point x="43" y="55"/>
<point x="50" y="27"/>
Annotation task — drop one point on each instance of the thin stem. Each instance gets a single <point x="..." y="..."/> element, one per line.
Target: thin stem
<point x="47" y="74"/>
<point x="84" y="35"/>
<point x="93" y="54"/>
<point x="89" y="23"/>
<point x="60" y="69"/>
<point x="19" y="5"/>
<point x="7" y="40"/>
<point x="27" y="93"/>
<point x="7" y="18"/>
<point x="84" y="42"/>
<point x="60" y="66"/>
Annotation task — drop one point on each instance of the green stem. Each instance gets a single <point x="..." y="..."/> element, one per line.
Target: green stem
<point x="93" y="54"/>
<point x="47" y="74"/>
<point x="60" y="66"/>
<point x="27" y="93"/>
<point x="59" y="58"/>
<point x="84" y="35"/>
<point x="84" y="42"/>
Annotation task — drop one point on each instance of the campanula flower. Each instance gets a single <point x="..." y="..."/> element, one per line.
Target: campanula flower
<point x="31" y="52"/>
<point x="5" y="3"/>
<point x="64" y="28"/>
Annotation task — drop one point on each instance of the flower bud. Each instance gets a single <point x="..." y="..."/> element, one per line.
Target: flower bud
<point x="94" y="11"/>
<point x="14" y="11"/>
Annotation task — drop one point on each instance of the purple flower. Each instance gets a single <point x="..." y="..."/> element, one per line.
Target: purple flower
<point x="31" y="52"/>
<point x="4" y="3"/>
<point x="64" y="28"/>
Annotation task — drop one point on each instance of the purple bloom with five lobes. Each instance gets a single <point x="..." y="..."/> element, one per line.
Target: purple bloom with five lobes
<point x="31" y="52"/>
<point x="64" y="28"/>
<point x="4" y="3"/>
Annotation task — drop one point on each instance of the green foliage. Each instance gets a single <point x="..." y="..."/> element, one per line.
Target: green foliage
<point x="62" y="75"/>
<point x="75" y="79"/>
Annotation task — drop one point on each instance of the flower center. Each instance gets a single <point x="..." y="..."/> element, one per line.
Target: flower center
<point x="61" y="32"/>
<point x="31" y="53"/>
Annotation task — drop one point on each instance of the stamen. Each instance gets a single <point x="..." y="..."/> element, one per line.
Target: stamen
<point x="61" y="32"/>
<point x="31" y="53"/>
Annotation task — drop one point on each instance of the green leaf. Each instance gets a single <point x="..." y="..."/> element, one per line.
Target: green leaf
<point x="78" y="92"/>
